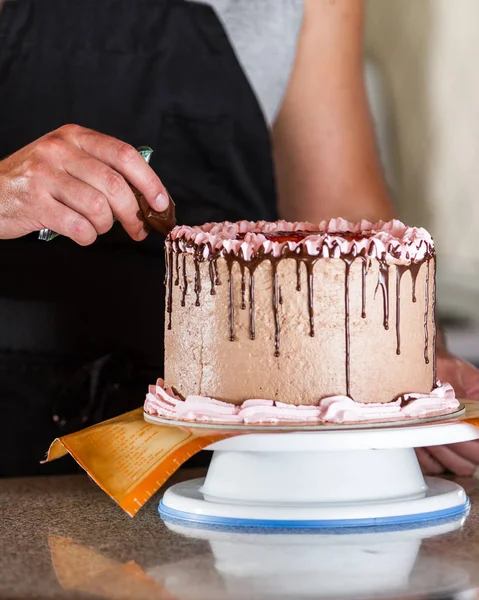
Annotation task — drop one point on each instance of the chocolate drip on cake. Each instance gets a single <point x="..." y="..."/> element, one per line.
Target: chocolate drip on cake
<point x="197" y="287"/>
<point x="215" y="267"/>
<point x="177" y="263"/>
<point x="232" y="308"/>
<point x="426" y="317"/>
<point x="348" y="261"/>
<point x="247" y="268"/>
<point x="414" y="269"/>
<point x="383" y="283"/>
<point x="310" y="277"/>
<point x="298" y="274"/>
<point x="211" y="271"/>
<point x="251" y="303"/>
<point x="243" y="286"/>
<point x="277" y="332"/>
<point x="366" y="293"/>
<point x="433" y="308"/>
<point x="400" y="270"/>
<point x="363" y="286"/>
<point x="169" y="285"/>
<point x="185" y="282"/>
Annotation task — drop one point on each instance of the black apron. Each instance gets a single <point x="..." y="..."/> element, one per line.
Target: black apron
<point x="81" y="329"/>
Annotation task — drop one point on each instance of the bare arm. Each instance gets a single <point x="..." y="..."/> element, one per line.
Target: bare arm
<point x="324" y="147"/>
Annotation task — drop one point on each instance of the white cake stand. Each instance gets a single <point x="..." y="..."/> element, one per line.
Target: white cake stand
<point x="328" y="478"/>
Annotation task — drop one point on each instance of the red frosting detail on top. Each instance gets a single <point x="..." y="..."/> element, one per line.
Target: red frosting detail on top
<point x="281" y="236"/>
<point x="298" y="236"/>
<point x="391" y="241"/>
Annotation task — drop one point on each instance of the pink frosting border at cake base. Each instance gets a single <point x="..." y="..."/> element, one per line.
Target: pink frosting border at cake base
<point x="163" y="402"/>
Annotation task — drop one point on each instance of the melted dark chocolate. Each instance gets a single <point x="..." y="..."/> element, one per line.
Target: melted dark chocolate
<point x="163" y="222"/>
<point x="310" y="278"/>
<point x="185" y="282"/>
<point x="414" y="269"/>
<point x="277" y="333"/>
<point x="217" y="275"/>
<point x="211" y="271"/>
<point x="434" y="331"/>
<point x="383" y="283"/>
<point x="363" y="286"/>
<point x="426" y="317"/>
<point x="243" y="287"/>
<point x="169" y="285"/>
<point x="197" y="281"/>
<point x="400" y="270"/>
<point x="348" y="262"/>
<point x="232" y="308"/>
<point x="251" y="304"/>
<point x="177" y="267"/>
<point x="298" y="274"/>
<point x="300" y="256"/>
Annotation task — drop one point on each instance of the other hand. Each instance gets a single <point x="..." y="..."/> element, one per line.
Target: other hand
<point x="74" y="181"/>
<point x="461" y="458"/>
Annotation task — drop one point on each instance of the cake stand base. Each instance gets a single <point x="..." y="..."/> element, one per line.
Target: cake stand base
<point x="321" y="480"/>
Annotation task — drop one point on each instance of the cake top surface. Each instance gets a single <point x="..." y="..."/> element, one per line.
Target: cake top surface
<point x="392" y="241"/>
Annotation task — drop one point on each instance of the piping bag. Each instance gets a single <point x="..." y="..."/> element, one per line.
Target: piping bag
<point x="163" y="222"/>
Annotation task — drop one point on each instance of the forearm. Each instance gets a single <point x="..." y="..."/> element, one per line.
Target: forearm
<point x="325" y="153"/>
<point x="323" y="174"/>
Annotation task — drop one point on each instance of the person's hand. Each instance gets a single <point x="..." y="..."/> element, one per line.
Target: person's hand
<point x="461" y="458"/>
<point x="74" y="181"/>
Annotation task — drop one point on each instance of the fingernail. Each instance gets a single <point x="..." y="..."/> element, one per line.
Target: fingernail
<point x="161" y="203"/>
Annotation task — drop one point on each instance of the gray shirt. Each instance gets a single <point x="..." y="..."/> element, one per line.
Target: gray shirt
<point x="264" y="35"/>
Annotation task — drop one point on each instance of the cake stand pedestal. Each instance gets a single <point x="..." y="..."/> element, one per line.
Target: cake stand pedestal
<point x="325" y="479"/>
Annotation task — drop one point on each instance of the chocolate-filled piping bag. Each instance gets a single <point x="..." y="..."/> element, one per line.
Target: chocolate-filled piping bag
<point x="163" y="222"/>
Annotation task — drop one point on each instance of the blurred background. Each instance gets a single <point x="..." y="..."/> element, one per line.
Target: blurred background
<point x="423" y="84"/>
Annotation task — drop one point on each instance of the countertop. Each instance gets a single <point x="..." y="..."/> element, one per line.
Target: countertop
<point x="62" y="537"/>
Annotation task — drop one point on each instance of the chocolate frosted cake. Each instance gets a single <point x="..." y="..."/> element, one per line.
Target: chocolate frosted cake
<point x="293" y="321"/>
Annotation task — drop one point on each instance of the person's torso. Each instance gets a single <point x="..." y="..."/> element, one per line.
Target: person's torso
<point x="264" y="35"/>
<point x="170" y="74"/>
<point x="151" y="72"/>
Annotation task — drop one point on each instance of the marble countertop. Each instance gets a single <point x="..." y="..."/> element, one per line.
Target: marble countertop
<point x="62" y="537"/>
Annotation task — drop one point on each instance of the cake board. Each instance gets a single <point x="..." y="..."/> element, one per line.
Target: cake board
<point x="321" y="477"/>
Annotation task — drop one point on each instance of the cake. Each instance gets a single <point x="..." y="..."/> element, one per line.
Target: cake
<point x="294" y="321"/>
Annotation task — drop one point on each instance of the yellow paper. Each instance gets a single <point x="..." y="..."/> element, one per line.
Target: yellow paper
<point x="472" y="412"/>
<point x="129" y="458"/>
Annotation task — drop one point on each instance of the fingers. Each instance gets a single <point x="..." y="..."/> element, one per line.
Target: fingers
<point x="452" y="461"/>
<point x="66" y="222"/>
<point x="429" y="465"/>
<point x="76" y="181"/>
<point x="468" y="450"/>
<point x="109" y="194"/>
<point x="461" y="458"/>
<point x="83" y="199"/>
<point x="127" y="161"/>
